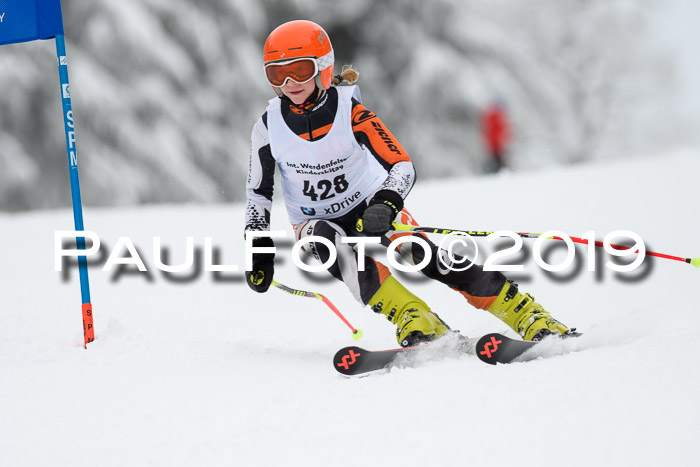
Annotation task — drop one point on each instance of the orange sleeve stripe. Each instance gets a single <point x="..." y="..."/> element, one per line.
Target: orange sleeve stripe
<point x="382" y="142"/>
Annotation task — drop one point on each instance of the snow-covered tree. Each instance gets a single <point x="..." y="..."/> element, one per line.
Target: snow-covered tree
<point x="165" y="92"/>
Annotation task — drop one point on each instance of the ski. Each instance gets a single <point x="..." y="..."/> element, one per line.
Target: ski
<point x="496" y="348"/>
<point x="492" y="348"/>
<point x="357" y="361"/>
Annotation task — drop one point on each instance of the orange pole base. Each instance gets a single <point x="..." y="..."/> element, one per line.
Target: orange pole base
<point x="88" y="328"/>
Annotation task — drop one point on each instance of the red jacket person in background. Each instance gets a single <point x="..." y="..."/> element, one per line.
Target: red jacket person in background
<point x="496" y="134"/>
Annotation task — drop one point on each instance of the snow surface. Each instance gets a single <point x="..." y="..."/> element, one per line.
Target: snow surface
<point x="210" y="373"/>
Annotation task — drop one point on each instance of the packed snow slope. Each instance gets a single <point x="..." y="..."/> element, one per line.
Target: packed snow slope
<point x="203" y="371"/>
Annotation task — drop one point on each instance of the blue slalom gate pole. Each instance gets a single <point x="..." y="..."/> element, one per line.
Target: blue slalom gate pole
<point x="69" y="123"/>
<point x="30" y="20"/>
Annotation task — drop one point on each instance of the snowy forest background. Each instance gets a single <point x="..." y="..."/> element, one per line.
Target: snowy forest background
<point x="165" y="92"/>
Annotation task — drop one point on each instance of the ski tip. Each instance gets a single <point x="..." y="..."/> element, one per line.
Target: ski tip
<point x="488" y="346"/>
<point x="695" y="262"/>
<point x="346" y="360"/>
<point x="357" y="334"/>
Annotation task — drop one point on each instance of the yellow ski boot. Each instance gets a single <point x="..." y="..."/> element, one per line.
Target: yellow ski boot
<point x="415" y="323"/>
<point x="525" y="316"/>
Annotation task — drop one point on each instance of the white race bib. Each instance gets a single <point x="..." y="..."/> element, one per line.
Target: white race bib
<point x="326" y="178"/>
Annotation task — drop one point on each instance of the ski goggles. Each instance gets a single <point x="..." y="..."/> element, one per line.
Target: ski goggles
<point x="300" y="70"/>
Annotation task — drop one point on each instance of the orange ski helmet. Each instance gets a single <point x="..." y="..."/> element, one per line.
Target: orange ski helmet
<point x="301" y="39"/>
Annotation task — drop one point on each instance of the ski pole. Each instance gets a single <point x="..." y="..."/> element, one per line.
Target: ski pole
<point x="356" y="333"/>
<point x="478" y="233"/>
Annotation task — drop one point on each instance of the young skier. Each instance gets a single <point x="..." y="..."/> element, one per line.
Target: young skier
<point x="342" y="170"/>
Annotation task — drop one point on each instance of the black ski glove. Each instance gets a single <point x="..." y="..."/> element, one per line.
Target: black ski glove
<point x="381" y="212"/>
<point x="260" y="277"/>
